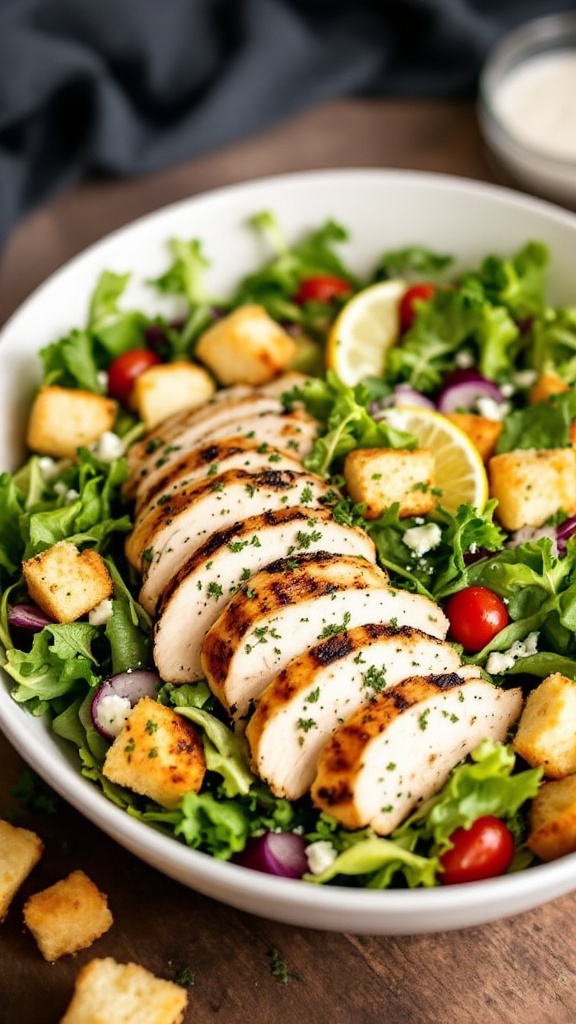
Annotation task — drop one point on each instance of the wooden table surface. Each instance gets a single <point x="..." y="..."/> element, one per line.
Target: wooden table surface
<point x="520" y="970"/>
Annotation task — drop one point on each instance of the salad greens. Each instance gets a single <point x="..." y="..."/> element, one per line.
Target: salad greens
<point x="497" y="316"/>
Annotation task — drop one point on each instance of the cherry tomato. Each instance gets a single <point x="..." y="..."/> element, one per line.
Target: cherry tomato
<point x="408" y="311"/>
<point x="322" y="288"/>
<point x="124" y="370"/>
<point x="483" y="851"/>
<point x="476" y="615"/>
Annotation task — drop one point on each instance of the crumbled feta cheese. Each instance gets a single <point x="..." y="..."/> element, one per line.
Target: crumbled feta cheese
<point x="320" y="856"/>
<point x="101" y="613"/>
<point x="525" y="378"/>
<point x="500" y="661"/>
<point x="490" y="409"/>
<point x="70" y="493"/>
<point x="112" y="713"/>
<point x="108" y="447"/>
<point x="464" y="359"/>
<point x="49" y="467"/>
<point x="102" y="378"/>
<point x="507" y="390"/>
<point x="394" y="418"/>
<point x="423" y="538"/>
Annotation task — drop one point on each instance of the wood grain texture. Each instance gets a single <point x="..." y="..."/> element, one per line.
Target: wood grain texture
<point x="517" y="971"/>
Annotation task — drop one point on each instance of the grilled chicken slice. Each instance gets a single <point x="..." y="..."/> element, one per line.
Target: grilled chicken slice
<point x="398" y="750"/>
<point x="197" y="594"/>
<point x="293" y="432"/>
<point x="234" y="401"/>
<point x="173" y="530"/>
<point x="304" y="705"/>
<point x="206" y="461"/>
<point x="294" y="603"/>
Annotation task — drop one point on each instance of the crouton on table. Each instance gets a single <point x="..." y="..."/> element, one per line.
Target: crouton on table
<point x="546" y="733"/>
<point x="65" y="582"/>
<point x="20" y="851"/>
<point x="531" y="485"/>
<point x="68" y="916"/>
<point x="115" y="993"/>
<point x="169" y="388"/>
<point x="553" y="819"/>
<point x="158" y="754"/>
<point x="246" y="347"/>
<point x="378" y="477"/>
<point x="65" y="419"/>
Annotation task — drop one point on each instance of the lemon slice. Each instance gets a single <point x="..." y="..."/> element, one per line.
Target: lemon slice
<point x="460" y="472"/>
<point x="364" y="330"/>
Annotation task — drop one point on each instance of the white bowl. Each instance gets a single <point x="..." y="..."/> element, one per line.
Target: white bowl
<point x="526" y="105"/>
<point x="383" y="210"/>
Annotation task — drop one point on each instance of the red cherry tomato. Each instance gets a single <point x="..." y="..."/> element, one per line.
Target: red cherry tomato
<point x="322" y="288"/>
<point x="476" y="615"/>
<point x="124" y="370"/>
<point x="483" y="851"/>
<point x="408" y="311"/>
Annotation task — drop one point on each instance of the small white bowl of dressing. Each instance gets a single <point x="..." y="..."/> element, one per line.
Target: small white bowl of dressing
<point x="527" y="105"/>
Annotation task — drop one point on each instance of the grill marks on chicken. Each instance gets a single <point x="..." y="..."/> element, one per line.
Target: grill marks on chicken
<point x="295" y="603"/>
<point x="347" y="685"/>
<point x="398" y="749"/>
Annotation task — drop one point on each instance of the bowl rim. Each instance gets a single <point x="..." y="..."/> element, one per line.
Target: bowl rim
<point x="222" y="880"/>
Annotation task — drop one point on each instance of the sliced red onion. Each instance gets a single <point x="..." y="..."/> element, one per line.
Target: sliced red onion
<point x="116" y="696"/>
<point x="462" y="389"/>
<point x="28" y="617"/>
<point x="403" y="394"/>
<point x="563" y="533"/>
<point x="275" y="853"/>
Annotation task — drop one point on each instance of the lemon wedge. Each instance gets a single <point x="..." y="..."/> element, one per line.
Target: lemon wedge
<point x="460" y="473"/>
<point x="364" y="330"/>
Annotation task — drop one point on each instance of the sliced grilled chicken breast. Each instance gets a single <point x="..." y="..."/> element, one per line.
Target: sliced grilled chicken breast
<point x="202" y="586"/>
<point x="294" y="603"/>
<point x="206" y="461"/>
<point x="398" y="750"/>
<point x="173" y="530"/>
<point x="293" y="432"/>
<point x="304" y="705"/>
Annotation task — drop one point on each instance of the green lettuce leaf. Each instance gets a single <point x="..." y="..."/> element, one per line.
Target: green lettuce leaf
<point x="413" y="262"/>
<point x="60" y="657"/>
<point x="542" y="425"/>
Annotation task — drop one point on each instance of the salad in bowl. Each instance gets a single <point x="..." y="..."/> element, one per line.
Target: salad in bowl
<point x="288" y="568"/>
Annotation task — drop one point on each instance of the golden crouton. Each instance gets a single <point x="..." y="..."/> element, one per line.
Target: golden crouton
<point x="169" y="388"/>
<point x="158" y="754"/>
<point x="107" y="991"/>
<point x="378" y="477"/>
<point x="246" y="347"/>
<point x="62" y="420"/>
<point x="20" y="851"/>
<point x="546" y="732"/>
<point x="483" y="433"/>
<point x="68" y="916"/>
<point x="65" y="582"/>
<point x="532" y="485"/>
<point x="552" y="819"/>
<point x="548" y="384"/>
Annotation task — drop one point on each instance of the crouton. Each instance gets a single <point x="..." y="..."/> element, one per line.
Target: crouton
<point x="552" y="819"/>
<point x="65" y="582"/>
<point x="116" y="993"/>
<point x="546" y="732"/>
<point x="545" y="386"/>
<point x="169" y="388"/>
<point x="378" y="477"/>
<point x="62" y="420"/>
<point x="246" y="347"/>
<point x="158" y="754"/>
<point x="68" y="916"/>
<point x="483" y="433"/>
<point x="532" y="485"/>
<point x="20" y="851"/>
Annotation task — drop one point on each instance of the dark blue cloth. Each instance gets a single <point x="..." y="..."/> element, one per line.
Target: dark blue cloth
<point x="124" y="87"/>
